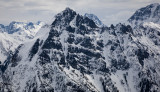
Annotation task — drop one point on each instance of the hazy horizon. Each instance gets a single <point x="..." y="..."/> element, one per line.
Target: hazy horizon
<point x="108" y="11"/>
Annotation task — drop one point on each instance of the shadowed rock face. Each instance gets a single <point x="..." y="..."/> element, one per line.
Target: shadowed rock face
<point x="78" y="56"/>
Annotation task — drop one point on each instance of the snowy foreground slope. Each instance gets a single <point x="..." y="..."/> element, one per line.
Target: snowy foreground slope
<point x="73" y="54"/>
<point x="14" y="34"/>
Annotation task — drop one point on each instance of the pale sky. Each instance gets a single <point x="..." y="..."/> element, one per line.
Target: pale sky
<point x="108" y="11"/>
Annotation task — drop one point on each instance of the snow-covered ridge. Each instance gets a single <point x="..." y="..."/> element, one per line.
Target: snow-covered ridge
<point x="21" y="28"/>
<point x="150" y="13"/>
<point x="151" y="25"/>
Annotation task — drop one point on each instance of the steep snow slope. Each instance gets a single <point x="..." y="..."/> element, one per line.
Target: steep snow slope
<point x="150" y="13"/>
<point x="75" y="55"/>
<point x="15" y="34"/>
<point x="7" y="44"/>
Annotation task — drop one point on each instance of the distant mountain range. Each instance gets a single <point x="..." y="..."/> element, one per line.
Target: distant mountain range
<point x="80" y="54"/>
<point x="14" y="34"/>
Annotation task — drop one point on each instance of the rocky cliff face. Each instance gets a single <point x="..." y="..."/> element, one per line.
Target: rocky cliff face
<point x="75" y="55"/>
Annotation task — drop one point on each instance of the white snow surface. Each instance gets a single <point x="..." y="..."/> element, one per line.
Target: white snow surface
<point x="15" y="34"/>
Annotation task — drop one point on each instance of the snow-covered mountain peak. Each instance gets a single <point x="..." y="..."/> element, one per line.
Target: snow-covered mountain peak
<point x="40" y="23"/>
<point x="68" y="17"/>
<point x="155" y="4"/>
<point x="95" y="19"/>
<point x="74" y="55"/>
<point x="68" y="9"/>
<point x="64" y="17"/>
<point x="65" y="12"/>
<point x="15" y="27"/>
<point x="150" y="13"/>
<point x="14" y="34"/>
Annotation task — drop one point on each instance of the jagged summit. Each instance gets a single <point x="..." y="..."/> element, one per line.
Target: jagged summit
<point x="68" y="9"/>
<point x="14" y="26"/>
<point x="150" y="13"/>
<point x="66" y="16"/>
<point x="66" y="12"/>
